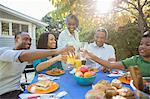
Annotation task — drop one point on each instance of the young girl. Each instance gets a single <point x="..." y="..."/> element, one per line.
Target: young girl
<point x="47" y="41"/>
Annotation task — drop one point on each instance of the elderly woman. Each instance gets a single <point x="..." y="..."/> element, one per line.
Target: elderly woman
<point x="70" y="34"/>
<point x="47" y="41"/>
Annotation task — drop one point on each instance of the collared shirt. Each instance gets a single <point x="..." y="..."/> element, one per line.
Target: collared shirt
<point x="66" y="38"/>
<point x="104" y="52"/>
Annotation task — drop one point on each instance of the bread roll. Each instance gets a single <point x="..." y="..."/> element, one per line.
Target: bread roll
<point x="116" y="83"/>
<point x="95" y="94"/>
<point x="125" y="92"/>
<point x="110" y="93"/>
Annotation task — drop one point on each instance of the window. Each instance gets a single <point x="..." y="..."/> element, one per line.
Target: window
<point x="5" y="28"/>
<point x="15" y="28"/>
<point x="24" y="28"/>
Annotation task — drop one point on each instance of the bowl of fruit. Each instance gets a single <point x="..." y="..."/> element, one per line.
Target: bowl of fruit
<point x="84" y="76"/>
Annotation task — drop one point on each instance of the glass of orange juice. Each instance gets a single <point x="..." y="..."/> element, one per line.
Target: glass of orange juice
<point x="78" y="63"/>
<point x="70" y="62"/>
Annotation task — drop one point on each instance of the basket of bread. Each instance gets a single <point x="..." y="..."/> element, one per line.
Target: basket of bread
<point x="106" y="90"/>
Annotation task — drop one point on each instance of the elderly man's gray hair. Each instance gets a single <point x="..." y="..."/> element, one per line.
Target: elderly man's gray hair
<point x="101" y="29"/>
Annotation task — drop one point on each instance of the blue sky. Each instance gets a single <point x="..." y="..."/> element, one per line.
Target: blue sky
<point x="33" y="8"/>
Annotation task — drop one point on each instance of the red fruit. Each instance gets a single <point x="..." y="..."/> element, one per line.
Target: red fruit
<point x="84" y="69"/>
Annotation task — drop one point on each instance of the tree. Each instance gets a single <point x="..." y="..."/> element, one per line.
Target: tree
<point x="125" y="40"/>
<point x="139" y="9"/>
<point x="125" y="23"/>
<point x="54" y="26"/>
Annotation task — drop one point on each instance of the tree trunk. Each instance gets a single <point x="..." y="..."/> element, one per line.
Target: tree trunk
<point x="141" y="19"/>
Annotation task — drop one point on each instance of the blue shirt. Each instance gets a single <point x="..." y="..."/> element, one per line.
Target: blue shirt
<point x="55" y="65"/>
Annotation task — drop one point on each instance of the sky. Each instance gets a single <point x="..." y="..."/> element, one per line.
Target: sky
<point x="34" y="8"/>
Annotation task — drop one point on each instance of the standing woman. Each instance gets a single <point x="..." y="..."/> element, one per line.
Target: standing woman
<point x="70" y="34"/>
<point x="47" y="41"/>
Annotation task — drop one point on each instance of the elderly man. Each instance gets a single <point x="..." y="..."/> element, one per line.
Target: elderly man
<point x="100" y="48"/>
<point x="142" y="60"/>
<point x="14" y="60"/>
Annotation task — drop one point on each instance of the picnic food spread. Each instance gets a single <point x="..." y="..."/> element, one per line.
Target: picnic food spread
<point x="105" y="90"/>
<point x="55" y="72"/>
<point x="126" y="78"/>
<point x="43" y="86"/>
<point x="84" y="71"/>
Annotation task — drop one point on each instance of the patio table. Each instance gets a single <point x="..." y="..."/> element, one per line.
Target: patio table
<point x="75" y="91"/>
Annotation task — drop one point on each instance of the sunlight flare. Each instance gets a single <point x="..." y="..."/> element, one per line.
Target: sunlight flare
<point x="104" y="6"/>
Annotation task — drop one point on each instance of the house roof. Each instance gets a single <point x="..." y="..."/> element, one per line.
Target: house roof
<point x="22" y="16"/>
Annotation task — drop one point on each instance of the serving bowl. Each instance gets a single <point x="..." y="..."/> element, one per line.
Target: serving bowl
<point x="140" y="94"/>
<point x="85" y="81"/>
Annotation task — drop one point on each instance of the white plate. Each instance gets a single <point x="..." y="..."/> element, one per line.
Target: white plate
<point x="146" y="78"/>
<point x="120" y="73"/>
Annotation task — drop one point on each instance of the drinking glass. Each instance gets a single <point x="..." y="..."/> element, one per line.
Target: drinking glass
<point x="70" y="61"/>
<point x="78" y="63"/>
<point x="83" y="46"/>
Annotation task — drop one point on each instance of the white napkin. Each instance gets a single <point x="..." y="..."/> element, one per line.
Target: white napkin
<point x="44" y="96"/>
<point x="72" y="71"/>
<point x="47" y="77"/>
<point x="114" y="75"/>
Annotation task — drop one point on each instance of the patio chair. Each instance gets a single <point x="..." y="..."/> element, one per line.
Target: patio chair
<point x="29" y="68"/>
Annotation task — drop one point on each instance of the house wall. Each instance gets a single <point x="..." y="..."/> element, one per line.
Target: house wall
<point x="8" y="41"/>
<point x="8" y="16"/>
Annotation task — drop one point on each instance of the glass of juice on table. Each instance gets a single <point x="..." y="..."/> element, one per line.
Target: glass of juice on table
<point x="70" y="61"/>
<point x="78" y="63"/>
